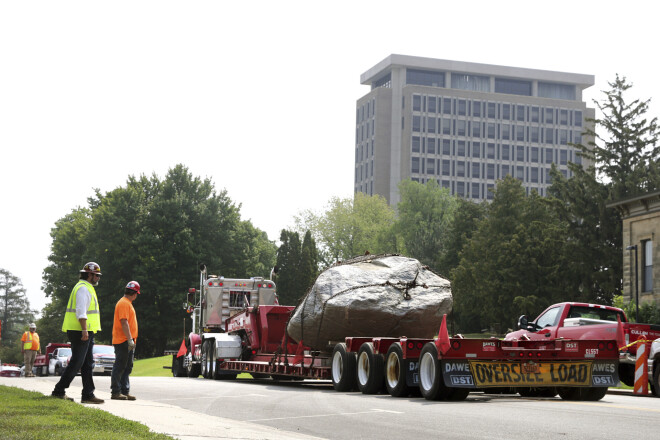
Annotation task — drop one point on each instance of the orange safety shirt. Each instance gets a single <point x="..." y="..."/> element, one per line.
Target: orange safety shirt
<point x="124" y="310"/>
<point x="30" y="341"/>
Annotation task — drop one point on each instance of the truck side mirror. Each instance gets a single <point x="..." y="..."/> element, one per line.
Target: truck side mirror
<point x="523" y="322"/>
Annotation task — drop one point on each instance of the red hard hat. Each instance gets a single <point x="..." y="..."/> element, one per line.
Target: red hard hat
<point x="133" y="285"/>
<point x="92" y="267"/>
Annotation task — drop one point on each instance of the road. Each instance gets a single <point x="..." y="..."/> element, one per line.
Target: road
<point x="313" y="408"/>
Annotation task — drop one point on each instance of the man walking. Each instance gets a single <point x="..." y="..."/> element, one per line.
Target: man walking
<point x="82" y="320"/>
<point x="124" y="335"/>
<point x="30" y="348"/>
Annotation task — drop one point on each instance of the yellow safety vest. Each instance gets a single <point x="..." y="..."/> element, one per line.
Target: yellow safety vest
<point x="29" y="342"/>
<point x="93" y="315"/>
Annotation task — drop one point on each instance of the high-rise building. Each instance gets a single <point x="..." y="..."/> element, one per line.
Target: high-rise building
<point x="466" y="125"/>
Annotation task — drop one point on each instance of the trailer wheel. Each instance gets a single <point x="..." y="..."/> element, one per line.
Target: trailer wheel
<point x="395" y="372"/>
<point x="343" y="368"/>
<point x="370" y="370"/>
<point x="431" y="383"/>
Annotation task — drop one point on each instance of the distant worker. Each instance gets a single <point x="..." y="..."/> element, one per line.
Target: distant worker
<point x="82" y="320"/>
<point x="124" y="335"/>
<point x="30" y="348"/>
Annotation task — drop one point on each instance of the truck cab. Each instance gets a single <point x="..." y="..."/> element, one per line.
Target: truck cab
<point x="58" y="360"/>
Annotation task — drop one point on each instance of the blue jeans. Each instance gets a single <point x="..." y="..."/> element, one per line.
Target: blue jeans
<point x="81" y="359"/>
<point x="122" y="368"/>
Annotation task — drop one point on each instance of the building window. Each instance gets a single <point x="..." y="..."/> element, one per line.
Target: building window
<point x="470" y="82"/>
<point x="534" y="134"/>
<point x="446" y="106"/>
<point x="490" y="151"/>
<point x="578" y="118"/>
<point x="520" y="133"/>
<point x="476" y="149"/>
<point x="430" y="145"/>
<point x="462" y="107"/>
<point x="446" y="126"/>
<point x="513" y="86"/>
<point x="476" y="108"/>
<point x="460" y="127"/>
<point x="430" y="166"/>
<point x="506" y="111"/>
<point x="475" y="169"/>
<point x="490" y="171"/>
<point x="549" y="115"/>
<point x="505" y="170"/>
<point x="460" y="148"/>
<point x="460" y="169"/>
<point x="476" y="129"/>
<point x="520" y="113"/>
<point x="446" y="147"/>
<point x="432" y="106"/>
<point x="417" y="123"/>
<point x="417" y="103"/>
<point x="548" y="155"/>
<point x="491" y="110"/>
<point x="425" y="78"/>
<point x="535" y="114"/>
<point x="520" y="153"/>
<point x="556" y="91"/>
<point x="446" y="168"/>
<point x="415" y="144"/>
<point x="430" y="124"/>
<point x="505" y="152"/>
<point x="505" y="132"/>
<point x="415" y="165"/>
<point x="647" y="266"/>
<point x="490" y="130"/>
<point x="475" y="191"/>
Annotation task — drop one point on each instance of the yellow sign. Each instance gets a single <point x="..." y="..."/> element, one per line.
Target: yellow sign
<point x="529" y="373"/>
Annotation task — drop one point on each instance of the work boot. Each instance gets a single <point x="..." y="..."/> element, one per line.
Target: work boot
<point x="128" y="396"/>
<point x="61" y="396"/>
<point x="117" y="396"/>
<point x="92" y="399"/>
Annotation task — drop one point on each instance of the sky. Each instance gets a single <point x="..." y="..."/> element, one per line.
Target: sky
<point x="258" y="96"/>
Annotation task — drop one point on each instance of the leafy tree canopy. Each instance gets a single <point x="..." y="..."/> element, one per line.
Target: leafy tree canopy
<point x="156" y="232"/>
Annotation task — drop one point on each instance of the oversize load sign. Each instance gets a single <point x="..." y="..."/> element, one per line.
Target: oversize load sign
<point x="533" y="374"/>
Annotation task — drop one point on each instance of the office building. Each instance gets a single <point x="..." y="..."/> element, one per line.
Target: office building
<point x="466" y="125"/>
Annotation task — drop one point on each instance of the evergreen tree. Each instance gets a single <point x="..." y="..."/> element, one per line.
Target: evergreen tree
<point x="309" y="262"/>
<point x="15" y="311"/>
<point x="289" y="288"/>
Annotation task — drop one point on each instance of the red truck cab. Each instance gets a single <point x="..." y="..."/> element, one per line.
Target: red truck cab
<point x="578" y="321"/>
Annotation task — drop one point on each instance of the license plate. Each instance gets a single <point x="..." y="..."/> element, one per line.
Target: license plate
<point x="533" y="374"/>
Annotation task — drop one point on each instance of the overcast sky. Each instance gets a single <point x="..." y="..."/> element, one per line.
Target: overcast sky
<point x="259" y="96"/>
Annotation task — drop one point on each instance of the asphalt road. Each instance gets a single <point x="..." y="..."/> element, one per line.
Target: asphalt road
<point x="313" y="408"/>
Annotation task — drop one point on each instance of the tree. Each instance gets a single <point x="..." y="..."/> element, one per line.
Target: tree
<point x="156" y="232"/>
<point x="351" y="227"/>
<point x="309" y="262"/>
<point x="625" y="161"/>
<point x="627" y="155"/>
<point x="459" y="232"/>
<point x="15" y="311"/>
<point x="289" y="287"/>
<point x="513" y="263"/>
<point x="425" y="213"/>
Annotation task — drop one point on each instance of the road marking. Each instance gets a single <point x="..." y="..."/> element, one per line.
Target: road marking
<point x="211" y="397"/>
<point x="371" y="411"/>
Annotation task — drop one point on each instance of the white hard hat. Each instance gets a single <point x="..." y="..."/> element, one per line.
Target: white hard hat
<point x="33" y="325"/>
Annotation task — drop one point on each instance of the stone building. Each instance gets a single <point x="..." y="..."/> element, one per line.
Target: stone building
<point x="641" y="231"/>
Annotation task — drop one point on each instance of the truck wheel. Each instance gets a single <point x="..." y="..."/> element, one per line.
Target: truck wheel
<point x="370" y="375"/>
<point x="177" y="367"/>
<point x="210" y="358"/>
<point x="431" y="384"/>
<point x="205" y="367"/>
<point x="193" y="369"/>
<point x="656" y="379"/>
<point x="58" y="370"/>
<point x="395" y="372"/>
<point x="343" y="368"/>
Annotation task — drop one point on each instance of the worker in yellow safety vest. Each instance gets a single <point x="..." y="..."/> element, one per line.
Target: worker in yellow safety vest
<point x="82" y="320"/>
<point x="30" y="348"/>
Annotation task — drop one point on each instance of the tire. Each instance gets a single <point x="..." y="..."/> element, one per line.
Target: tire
<point x="370" y="370"/>
<point x="395" y="372"/>
<point x="58" y="370"/>
<point x="177" y="367"/>
<point x="431" y="384"/>
<point x="205" y="370"/>
<point x="655" y="380"/>
<point x="343" y="368"/>
<point x="194" y="370"/>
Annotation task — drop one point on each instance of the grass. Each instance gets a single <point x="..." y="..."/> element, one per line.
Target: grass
<point x="29" y="415"/>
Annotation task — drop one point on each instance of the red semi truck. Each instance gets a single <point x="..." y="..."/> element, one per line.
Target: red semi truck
<point x="239" y="327"/>
<point x="580" y="321"/>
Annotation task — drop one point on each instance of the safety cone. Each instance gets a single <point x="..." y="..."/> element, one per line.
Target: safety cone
<point x="641" y="371"/>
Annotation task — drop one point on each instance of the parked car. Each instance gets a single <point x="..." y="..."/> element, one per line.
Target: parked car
<point x="9" y="370"/>
<point x="59" y="359"/>
<point x="104" y="359"/>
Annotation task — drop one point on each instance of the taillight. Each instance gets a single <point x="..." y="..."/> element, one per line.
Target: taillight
<point x="456" y="345"/>
<point x="419" y="345"/>
<point x="610" y="345"/>
<point x="601" y="345"/>
<point x="411" y="345"/>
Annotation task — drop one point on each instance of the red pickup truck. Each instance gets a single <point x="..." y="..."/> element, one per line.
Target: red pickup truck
<point x="570" y="320"/>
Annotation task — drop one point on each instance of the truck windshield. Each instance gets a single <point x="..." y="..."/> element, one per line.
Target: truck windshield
<point x="64" y="352"/>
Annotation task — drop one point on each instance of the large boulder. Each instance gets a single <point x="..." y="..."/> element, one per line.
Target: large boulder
<point x="384" y="295"/>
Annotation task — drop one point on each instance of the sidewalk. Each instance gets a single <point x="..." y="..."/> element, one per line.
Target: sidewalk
<point x="162" y="418"/>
